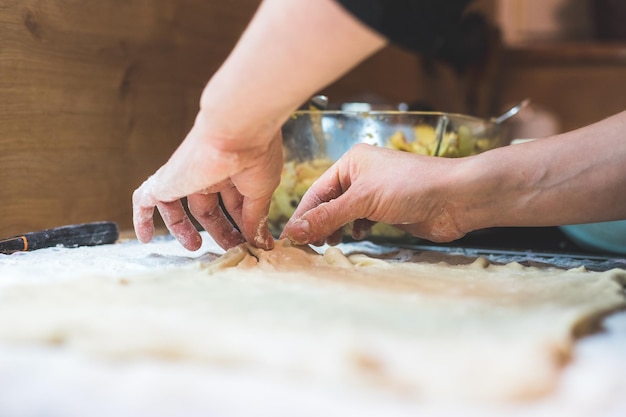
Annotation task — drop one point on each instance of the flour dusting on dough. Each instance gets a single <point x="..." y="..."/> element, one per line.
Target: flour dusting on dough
<point x="424" y="331"/>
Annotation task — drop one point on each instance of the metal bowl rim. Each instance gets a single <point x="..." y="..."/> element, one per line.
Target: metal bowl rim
<point x="390" y="113"/>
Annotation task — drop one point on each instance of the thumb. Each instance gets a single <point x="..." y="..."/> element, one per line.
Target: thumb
<point x="321" y="221"/>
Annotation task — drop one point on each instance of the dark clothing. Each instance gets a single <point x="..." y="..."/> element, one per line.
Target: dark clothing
<point x="420" y="25"/>
<point x="434" y="28"/>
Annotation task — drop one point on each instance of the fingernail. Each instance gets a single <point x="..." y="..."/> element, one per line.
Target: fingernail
<point x="299" y="231"/>
<point x="190" y="241"/>
<point x="303" y="225"/>
<point x="235" y="238"/>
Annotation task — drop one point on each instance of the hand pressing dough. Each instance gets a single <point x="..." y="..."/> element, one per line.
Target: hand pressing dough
<point x="476" y="332"/>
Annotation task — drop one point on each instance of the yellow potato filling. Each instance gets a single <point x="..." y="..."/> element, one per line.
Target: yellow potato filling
<point x="297" y="177"/>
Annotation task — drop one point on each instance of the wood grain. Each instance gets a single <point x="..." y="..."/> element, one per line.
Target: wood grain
<point x="94" y="96"/>
<point x="580" y="83"/>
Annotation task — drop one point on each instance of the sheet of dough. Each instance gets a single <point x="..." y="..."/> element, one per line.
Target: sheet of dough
<point x="475" y="332"/>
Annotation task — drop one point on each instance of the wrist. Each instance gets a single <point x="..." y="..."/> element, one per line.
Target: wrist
<point x="502" y="188"/>
<point x="235" y="122"/>
<point x="484" y="192"/>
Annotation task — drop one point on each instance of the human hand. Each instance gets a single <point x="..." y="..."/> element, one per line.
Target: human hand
<point x="275" y="66"/>
<point x="205" y="167"/>
<point x="370" y="184"/>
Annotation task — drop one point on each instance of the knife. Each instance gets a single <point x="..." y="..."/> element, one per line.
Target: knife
<point x="71" y="236"/>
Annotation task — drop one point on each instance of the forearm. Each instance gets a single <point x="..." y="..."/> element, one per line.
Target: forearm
<point x="576" y="177"/>
<point x="290" y="50"/>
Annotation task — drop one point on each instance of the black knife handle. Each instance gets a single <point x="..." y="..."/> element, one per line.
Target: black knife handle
<point x="87" y="234"/>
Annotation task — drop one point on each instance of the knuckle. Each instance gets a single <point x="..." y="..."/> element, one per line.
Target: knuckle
<point x="138" y="196"/>
<point x="202" y="206"/>
<point x="324" y="220"/>
<point x="359" y="147"/>
<point x="193" y="207"/>
<point x="358" y="150"/>
<point x="322" y="214"/>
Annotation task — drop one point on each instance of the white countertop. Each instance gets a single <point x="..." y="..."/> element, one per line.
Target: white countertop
<point x="44" y="380"/>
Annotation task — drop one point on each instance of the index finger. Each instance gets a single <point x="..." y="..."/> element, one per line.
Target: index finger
<point x="326" y="188"/>
<point x="143" y="213"/>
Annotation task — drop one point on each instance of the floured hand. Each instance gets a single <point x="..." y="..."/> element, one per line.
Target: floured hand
<point x="204" y="168"/>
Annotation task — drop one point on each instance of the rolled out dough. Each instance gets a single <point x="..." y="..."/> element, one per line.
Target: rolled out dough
<point x="476" y="332"/>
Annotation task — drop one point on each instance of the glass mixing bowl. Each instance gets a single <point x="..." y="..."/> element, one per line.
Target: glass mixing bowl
<point x="314" y="139"/>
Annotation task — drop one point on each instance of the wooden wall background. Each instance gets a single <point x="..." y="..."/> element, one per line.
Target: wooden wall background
<point x="580" y="83"/>
<point x="95" y="95"/>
